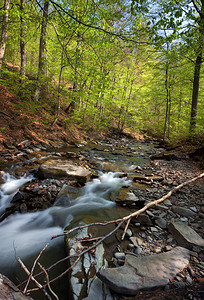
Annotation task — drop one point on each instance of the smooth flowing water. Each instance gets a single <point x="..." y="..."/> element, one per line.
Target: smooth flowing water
<point x="24" y="235"/>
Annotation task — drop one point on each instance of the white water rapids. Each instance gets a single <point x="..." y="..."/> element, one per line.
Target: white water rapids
<point x="26" y="234"/>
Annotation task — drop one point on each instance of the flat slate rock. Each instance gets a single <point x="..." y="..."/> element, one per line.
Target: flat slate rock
<point x="185" y="235"/>
<point x="182" y="211"/>
<point x="145" y="272"/>
<point x="63" y="169"/>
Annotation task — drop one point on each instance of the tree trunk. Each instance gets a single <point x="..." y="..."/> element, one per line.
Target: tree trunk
<point x="22" y="40"/>
<point x="41" y="66"/>
<point x="41" y="90"/>
<point x="196" y="78"/>
<point x="167" y="102"/>
<point x="58" y="89"/>
<point x="194" y="102"/>
<point x="127" y="107"/>
<point x="4" y="30"/>
<point x="76" y="76"/>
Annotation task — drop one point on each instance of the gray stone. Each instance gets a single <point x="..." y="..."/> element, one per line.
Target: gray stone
<point x="129" y="233"/>
<point x="149" y="213"/>
<point x="83" y="273"/>
<point x="185" y="235"/>
<point x="120" y="255"/>
<point x="182" y="211"/>
<point x="142" y="219"/>
<point x="66" y="195"/>
<point x="136" y="241"/>
<point x="167" y="202"/>
<point x="8" y="291"/>
<point x="184" y="219"/>
<point x="154" y="229"/>
<point x="98" y="290"/>
<point x="148" y="178"/>
<point x="161" y="223"/>
<point x="56" y="168"/>
<point x="145" y="272"/>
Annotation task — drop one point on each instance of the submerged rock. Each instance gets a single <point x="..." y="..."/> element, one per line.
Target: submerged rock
<point x="63" y="169"/>
<point x="145" y="272"/>
<point x="185" y="235"/>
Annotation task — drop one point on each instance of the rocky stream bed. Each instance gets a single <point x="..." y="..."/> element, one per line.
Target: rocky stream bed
<point x="78" y="184"/>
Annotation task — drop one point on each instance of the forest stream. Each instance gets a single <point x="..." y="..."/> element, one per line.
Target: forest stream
<point x="123" y="178"/>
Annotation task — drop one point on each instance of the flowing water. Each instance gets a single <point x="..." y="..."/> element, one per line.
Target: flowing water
<point x="24" y="235"/>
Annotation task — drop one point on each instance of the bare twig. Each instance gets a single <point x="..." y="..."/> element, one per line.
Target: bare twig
<point x="33" y="267"/>
<point x="48" y="281"/>
<point x="125" y="230"/>
<point x="28" y="273"/>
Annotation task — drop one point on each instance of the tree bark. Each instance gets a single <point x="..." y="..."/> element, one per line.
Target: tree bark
<point x="73" y="104"/>
<point x="198" y="63"/>
<point x="195" y="93"/>
<point x="41" y="66"/>
<point x="4" y="30"/>
<point x="22" y="39"/>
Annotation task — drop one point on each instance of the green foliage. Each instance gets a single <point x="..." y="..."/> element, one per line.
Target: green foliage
<point x="110" y="80"/>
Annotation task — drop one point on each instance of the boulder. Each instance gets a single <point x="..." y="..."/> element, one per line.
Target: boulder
<point x="145" y="272"/>
<point x="185" y="235"/>
<point x="63" y="169"/>
<point x="8" y="290"/>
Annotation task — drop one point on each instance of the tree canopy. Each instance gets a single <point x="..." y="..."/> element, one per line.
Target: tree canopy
<point x="127" y="64"/>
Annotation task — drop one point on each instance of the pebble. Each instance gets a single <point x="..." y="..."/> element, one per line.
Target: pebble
<point x="184" y="219"/>
<point x="189" y="279"/>
<point x="137" y="250"/>
<point x="193" y="253"/>
<point x="149" y="239"/>
<point x="168" y="248"/>
<point x="129" y="233"/>
<point x="154" y="229"/>
<point x="120" y="255"/>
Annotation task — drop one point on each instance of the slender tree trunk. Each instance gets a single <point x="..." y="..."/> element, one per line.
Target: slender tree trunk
<point x="196" y="81"/>
<point x="179" y="110"/>
<point x="127" y="107"/>
<point x="169" y="114"/>
<point x="123" y="99"/>
<point x="41" y="66"/>
<point x="58" y="90"/>
<point x="41" y="90"/>
<point x="22" y="39"/>
<point x="167" y="102"/>
<point x="4" y="30"/>
<point x="76" y="76"/>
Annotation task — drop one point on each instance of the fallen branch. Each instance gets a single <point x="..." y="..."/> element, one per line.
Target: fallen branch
<point x="136" y="213"/>
<point x="162" y="198"/>
<point x="120" y="221"/>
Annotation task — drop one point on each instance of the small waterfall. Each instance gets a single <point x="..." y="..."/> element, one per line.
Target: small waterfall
<point x="9" y="188"/>
<point x="26" y="234"/>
